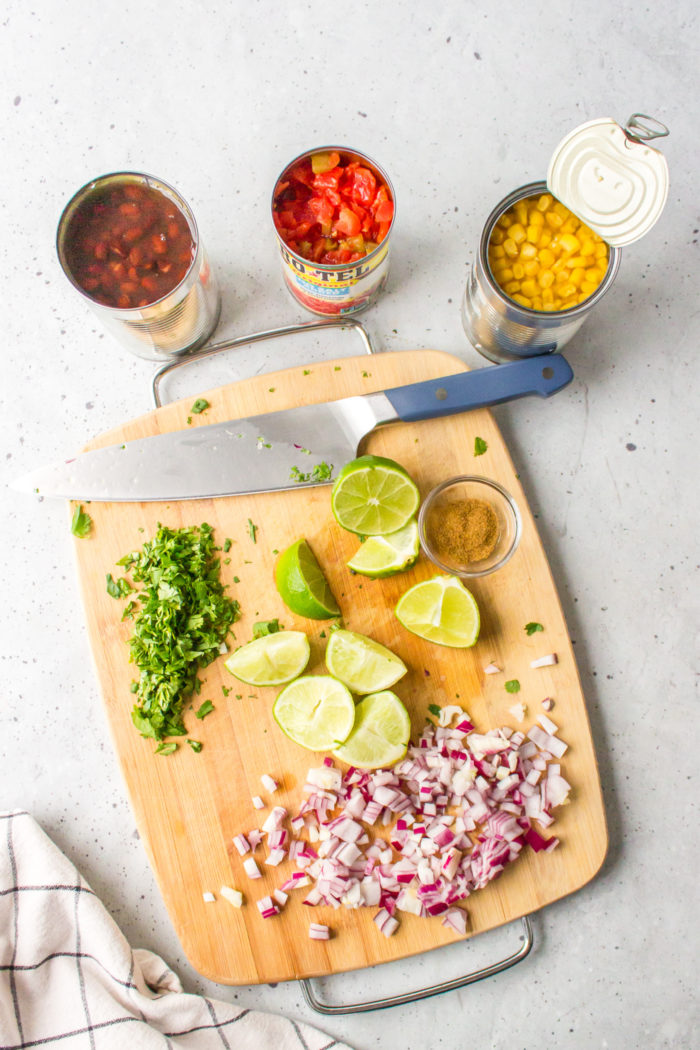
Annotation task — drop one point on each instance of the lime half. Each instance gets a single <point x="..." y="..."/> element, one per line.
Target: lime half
<point x="271" y="660"/>
<point x="302" y="585"/>
<point x="374" y="496"/>
<point x="362" y="664"/>
<point x="381" y="556"/>
<point x="316" y="711"/>
<point x="380" y="734"/>
<point x="440" y="610"/>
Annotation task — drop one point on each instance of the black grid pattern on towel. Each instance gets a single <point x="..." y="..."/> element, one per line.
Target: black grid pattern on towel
<point x="10" y="969"/>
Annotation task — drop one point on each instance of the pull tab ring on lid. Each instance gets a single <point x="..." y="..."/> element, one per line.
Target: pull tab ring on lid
<point x="643" y="128"/>
<point x="615" y="182"/>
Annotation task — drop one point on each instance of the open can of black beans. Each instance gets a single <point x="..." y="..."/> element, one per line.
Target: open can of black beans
<point x="128" y="242"/>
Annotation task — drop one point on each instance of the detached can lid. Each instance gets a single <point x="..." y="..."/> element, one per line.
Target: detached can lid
<point x="611" y="178"/>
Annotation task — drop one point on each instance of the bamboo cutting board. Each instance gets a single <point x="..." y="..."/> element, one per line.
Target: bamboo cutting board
<point x="189" y="806"/>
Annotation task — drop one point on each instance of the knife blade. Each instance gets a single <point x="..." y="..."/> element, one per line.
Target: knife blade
<point x="269" y="452"/>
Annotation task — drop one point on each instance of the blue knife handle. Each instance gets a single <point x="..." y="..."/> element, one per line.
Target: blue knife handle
<point x="542" y="375"/>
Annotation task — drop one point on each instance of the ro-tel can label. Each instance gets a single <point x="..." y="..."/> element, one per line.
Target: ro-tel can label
<point x="334" y="288"/>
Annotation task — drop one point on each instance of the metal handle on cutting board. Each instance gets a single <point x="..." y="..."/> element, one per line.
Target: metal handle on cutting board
<point x="423" y="993"/>
<point x="256" y="337"/>
<point x="529" y="940"/>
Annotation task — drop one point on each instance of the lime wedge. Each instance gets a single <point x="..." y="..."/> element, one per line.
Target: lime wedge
<point x="380" y="734"/>
<point x="374" y="496"/>
<point x="362" y="664"/>
<point x="271" y="660"/>
<point x="316" y="711"/>
<point x="381" y="556"/>
<point x="441" y="610"/>
<point x="302" y="585"/>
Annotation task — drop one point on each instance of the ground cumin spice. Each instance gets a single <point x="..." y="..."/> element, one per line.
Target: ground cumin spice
<point x="466" y="531"/>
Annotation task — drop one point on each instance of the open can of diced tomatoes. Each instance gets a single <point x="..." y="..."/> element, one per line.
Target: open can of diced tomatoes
<point x="549" y="251"/>
<point x="128" y="242"/>
<point x="333" y="209"/>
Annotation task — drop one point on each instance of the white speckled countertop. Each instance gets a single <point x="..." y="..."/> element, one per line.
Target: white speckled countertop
<point x="460" y="105"/>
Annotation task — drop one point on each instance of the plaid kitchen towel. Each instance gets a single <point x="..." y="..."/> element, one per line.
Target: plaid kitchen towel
<point x="69" y="979"/>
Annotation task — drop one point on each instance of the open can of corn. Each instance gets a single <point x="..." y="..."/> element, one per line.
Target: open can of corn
<point x="550" y="250"/>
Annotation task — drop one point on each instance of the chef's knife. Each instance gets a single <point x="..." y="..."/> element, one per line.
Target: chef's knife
<point x="275" y="450"/>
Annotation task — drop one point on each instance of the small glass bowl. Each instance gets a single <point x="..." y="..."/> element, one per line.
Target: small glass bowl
<point x="457" y="490"/>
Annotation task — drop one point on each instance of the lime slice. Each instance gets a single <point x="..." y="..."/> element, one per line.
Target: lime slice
<point x="374" y="496"/>
<point x="302" y="585"/>
<point x="316" y="711"/>
<point x="362" y="664"/>
<point x="380" y="734"/>
<point x="271" y="660"/>
<point x="441" y="610"/>
<point x="381" y="556"/>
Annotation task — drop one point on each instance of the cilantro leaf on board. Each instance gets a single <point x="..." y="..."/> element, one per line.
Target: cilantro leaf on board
<point x="206" y="709"/>
<point x="513" y="686"/>
<point x="480" y="446"/>
<point x="532" y="627"/>
<point x="118" y="588"/>
<point x="81" y="524"/>
<point x="166" y="749"/>
<point x="263" y="627"/>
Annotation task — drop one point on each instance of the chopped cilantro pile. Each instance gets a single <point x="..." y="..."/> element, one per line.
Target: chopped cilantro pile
<point x="184" y="617"/>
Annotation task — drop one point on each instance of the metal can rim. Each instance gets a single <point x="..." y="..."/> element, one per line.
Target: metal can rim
<point x="529" y="190"/>
<point x="156" y="183"/>
<point x="383" y="245"/>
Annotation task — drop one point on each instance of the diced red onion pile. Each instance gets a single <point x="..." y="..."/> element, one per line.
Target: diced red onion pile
<point x="456" y="809"/>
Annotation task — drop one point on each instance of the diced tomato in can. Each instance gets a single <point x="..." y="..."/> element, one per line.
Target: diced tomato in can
<point x="333" y="210"/>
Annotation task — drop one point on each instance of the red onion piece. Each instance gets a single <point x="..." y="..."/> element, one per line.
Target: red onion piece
<point x="275" y="819"/>
<point x="241" y="843"/>
<point x="318" y="932"/>
<point x="545" y="661"/>
<point x="251" y="869"/>
<point x="387" y="924"/>
<point x="255" y="837"/>
<point x="548" y="725"/>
